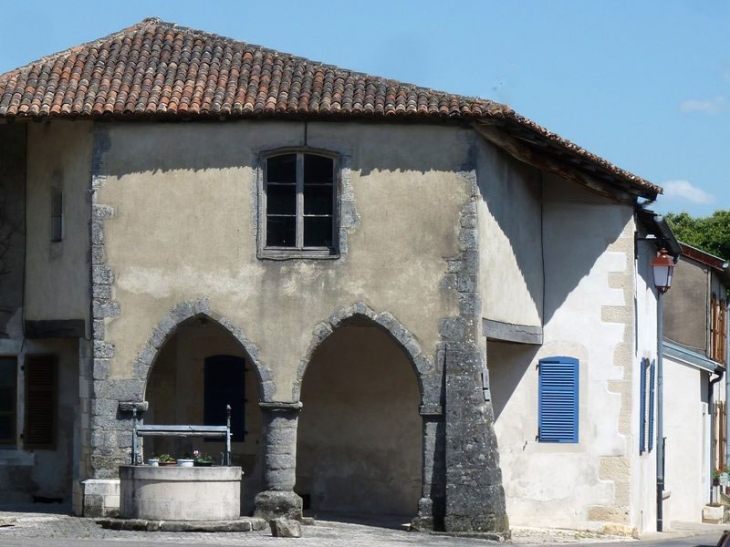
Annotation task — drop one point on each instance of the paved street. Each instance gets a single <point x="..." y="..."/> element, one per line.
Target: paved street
<point x="48" y="527"/>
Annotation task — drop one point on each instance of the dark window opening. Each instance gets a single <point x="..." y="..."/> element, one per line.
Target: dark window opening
<point x="8" y="390"/>
<point x="41" y="402"/>
<point x="300" y="202"/>
<point x="225" y="377"/>
<point x="56" y="215"/>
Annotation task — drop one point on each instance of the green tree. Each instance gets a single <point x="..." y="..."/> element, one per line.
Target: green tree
<point x="711" y="234"/>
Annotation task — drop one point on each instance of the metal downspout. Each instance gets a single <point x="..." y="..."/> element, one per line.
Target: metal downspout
<point x="660" y="415"/>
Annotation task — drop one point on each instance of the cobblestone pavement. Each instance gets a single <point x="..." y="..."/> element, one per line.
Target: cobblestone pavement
<point x="52" y="527"/>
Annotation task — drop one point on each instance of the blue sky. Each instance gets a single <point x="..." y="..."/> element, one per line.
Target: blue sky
<point x="644" y="84"/>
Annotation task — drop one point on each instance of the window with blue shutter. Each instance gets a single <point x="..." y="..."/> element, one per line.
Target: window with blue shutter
<point x="558" y="400"/>
<point x="642" y="405"/>
<point x="652" y="375"/>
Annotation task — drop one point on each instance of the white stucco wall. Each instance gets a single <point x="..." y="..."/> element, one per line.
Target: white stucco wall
<point x="686" y="427"/>
<point x="643" y="492"/>
<point x="588" y="314"/>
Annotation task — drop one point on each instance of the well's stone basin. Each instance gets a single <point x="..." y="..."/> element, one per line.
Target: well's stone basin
<point x="180" y="493"/>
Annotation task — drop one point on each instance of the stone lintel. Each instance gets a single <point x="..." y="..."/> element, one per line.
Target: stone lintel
<point x="508" y="332"/>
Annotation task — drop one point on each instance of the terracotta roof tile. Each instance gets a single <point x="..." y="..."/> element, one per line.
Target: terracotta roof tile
<point x="159" y="70"/>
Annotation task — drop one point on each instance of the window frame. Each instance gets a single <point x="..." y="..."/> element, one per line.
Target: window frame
<point x="299" y="250"/>
<point x="13" y="412"/>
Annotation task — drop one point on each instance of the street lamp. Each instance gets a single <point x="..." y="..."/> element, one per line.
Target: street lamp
<point x="663" y="268"/>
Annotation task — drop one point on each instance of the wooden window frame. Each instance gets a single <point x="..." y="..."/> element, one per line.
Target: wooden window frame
<point x="299" y="250"/>
<point x="718" y="329"/>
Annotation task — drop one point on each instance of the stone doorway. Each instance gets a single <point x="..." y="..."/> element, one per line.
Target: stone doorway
<point x="359" y="449"/>
<point x="187" y="385"/>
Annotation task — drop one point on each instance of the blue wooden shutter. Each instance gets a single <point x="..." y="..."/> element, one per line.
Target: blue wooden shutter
<point x="558" y="400"/>
<point x="651" y="404"/>
<point x="642" y="405"/>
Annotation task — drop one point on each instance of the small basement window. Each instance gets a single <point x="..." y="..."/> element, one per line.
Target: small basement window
<point x="299" y="205"/>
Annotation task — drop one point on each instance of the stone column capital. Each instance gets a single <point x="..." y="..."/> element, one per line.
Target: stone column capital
<point x="280" y="406"/>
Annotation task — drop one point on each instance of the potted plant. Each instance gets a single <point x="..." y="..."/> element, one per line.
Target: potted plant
<point x="165" y="459"/>
<point x="201" y="459"/>
<point x="153" y="461"/>
<point x="186" y="461"/>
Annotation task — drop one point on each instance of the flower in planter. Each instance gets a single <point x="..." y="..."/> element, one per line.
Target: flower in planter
<point x="201" y="458"/>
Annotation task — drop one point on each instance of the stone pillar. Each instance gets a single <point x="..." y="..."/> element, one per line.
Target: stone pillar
<point x="431" y="506"/>
<point x="280" y="460"/>
<point x="475" y="501"/>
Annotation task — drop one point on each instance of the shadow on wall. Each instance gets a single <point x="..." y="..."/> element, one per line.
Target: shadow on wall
<point x="198" y="146"/>
<point x="12" y="208"/>
<point x="508" y="364"/>
<point x="556" y="230"/>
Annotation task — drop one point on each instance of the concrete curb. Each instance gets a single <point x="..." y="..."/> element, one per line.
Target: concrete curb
<point x="244" y="524"/>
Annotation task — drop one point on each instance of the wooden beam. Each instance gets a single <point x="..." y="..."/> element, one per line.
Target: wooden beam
<point x="508" y="332"/>
<point x="524" y="153"/>
<point x="55" y="328"/>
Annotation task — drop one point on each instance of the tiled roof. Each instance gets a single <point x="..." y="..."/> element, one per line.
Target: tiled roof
<point x="160" y="70"/>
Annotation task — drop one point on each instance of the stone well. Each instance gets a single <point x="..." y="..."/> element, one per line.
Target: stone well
<point x="180" y="493"/>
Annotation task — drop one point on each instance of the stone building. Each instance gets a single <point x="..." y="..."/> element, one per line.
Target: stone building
<point x="193" y="221"/>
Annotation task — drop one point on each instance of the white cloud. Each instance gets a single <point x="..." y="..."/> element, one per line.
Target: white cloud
<point x="685" y="190"/>
<point x="716" y="105"/>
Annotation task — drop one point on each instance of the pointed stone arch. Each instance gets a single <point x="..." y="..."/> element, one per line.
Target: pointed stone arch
<point x="189" y="309"/>
<point x="429" y="382"/>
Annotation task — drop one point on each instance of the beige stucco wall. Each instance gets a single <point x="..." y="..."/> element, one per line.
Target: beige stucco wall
<point x="510" y="236"/>
<point x="588" y="314"/>
<point x="57" y="274"/>
<point x="359" y="439"/>
<point x="184" y="228"/>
